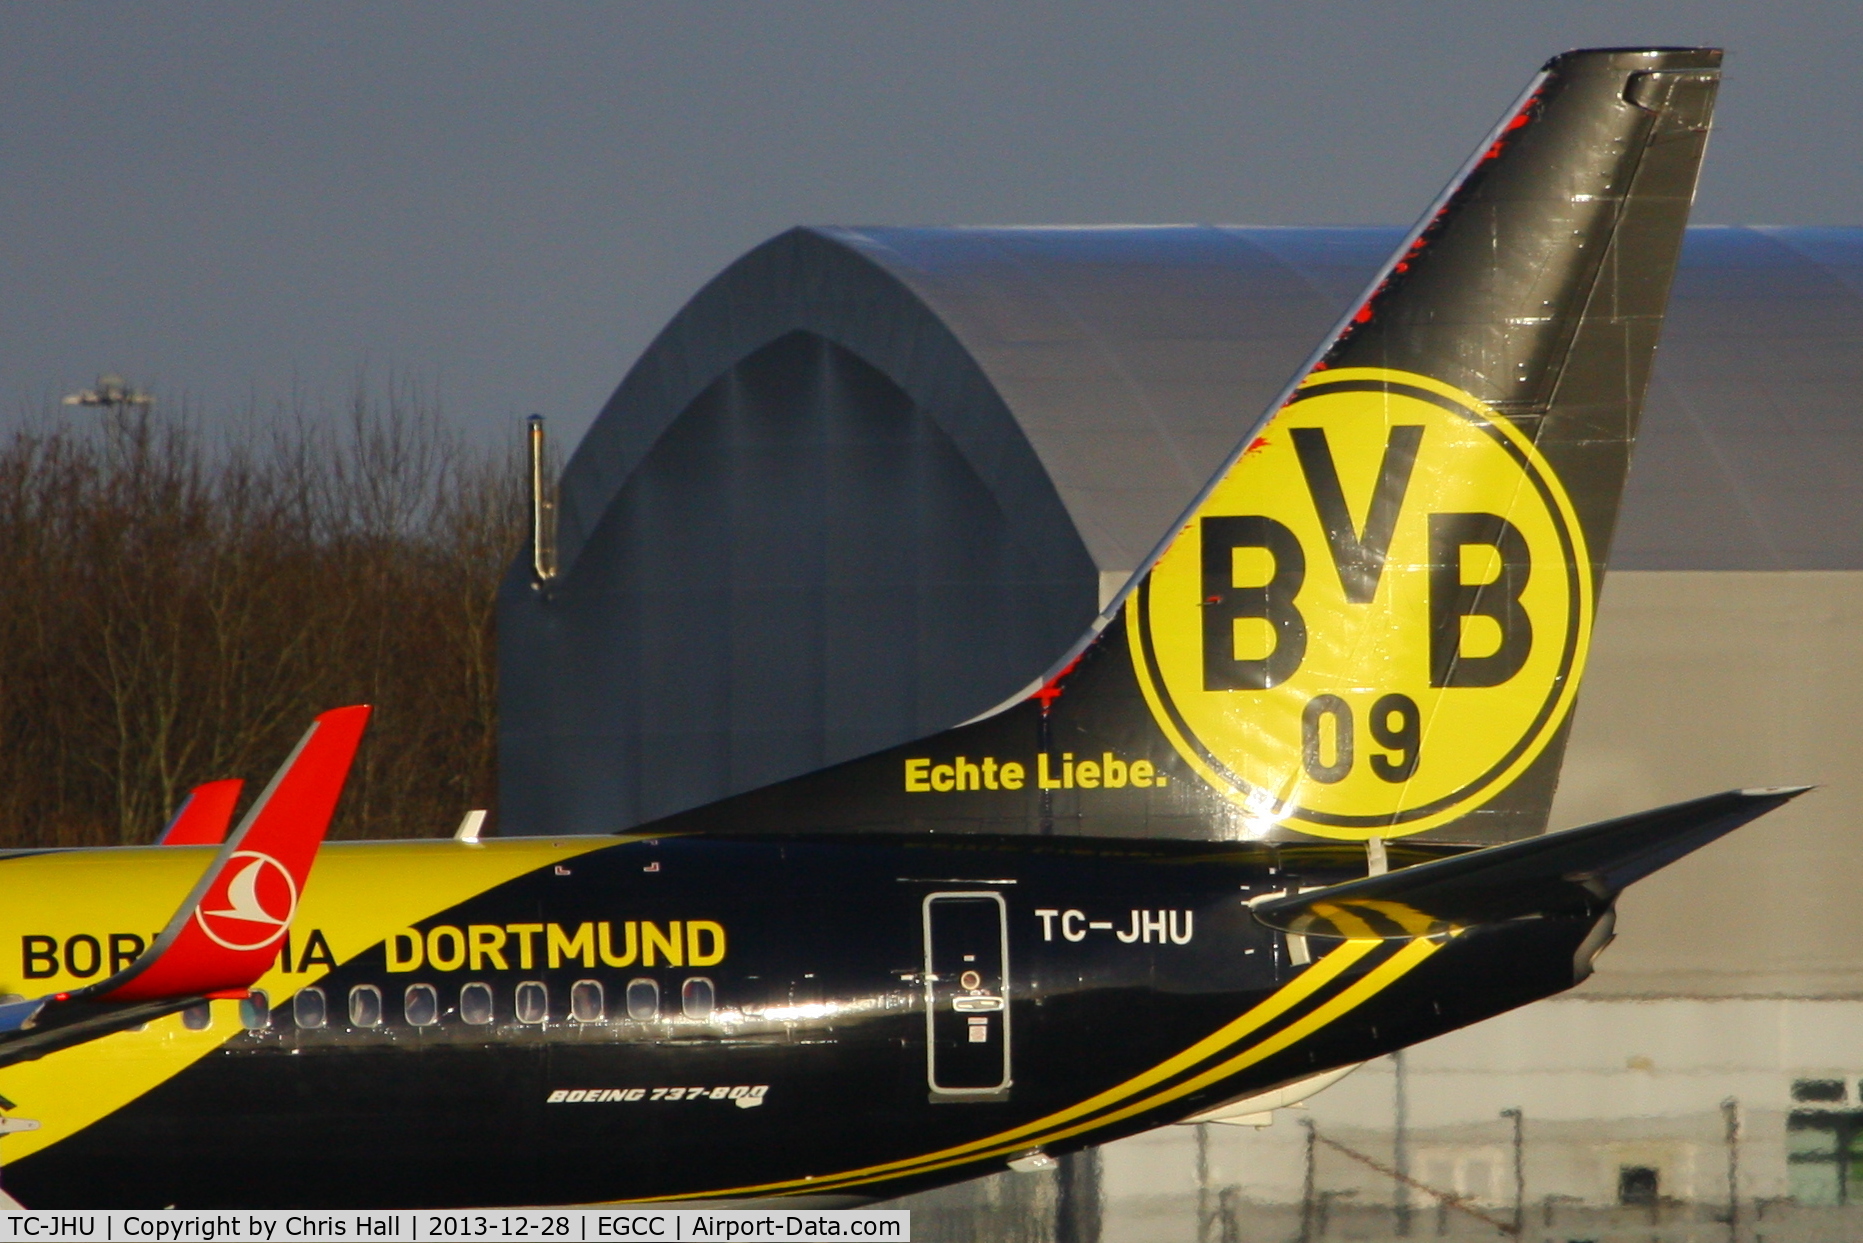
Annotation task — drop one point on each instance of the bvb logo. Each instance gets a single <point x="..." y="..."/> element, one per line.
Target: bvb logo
<point x="1378" y="618"/>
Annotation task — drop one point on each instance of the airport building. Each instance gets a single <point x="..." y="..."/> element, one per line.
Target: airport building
<point x="871" y="482"/>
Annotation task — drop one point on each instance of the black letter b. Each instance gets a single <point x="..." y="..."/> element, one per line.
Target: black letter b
<point x="1224" y="603"/>
<point x="1498" y="599"/>
<point x="41" y="957"/>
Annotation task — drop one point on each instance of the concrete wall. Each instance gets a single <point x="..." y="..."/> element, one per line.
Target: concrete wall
<point x="1702" y="681"/>
<point x="1602" y="1085"/>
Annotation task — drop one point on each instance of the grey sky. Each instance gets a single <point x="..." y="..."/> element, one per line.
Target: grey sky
<point x="506" y="202"/>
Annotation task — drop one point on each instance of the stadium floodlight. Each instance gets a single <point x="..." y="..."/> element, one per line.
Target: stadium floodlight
<point x="112" y="391"/>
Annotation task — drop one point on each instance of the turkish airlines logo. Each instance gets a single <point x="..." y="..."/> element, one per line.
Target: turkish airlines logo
<point x="253" y="904"/>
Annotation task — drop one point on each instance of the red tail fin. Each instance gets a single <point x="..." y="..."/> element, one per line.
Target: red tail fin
<point x="204" y="817"/>
<point x="226" y="933"/>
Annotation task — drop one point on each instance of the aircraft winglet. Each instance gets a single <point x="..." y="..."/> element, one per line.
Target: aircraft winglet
<point x="225" y="933"/>
<point x="204" y="816"/>
<point x="1577" y="872"/>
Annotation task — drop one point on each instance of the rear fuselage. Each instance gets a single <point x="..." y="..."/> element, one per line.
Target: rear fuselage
<point x="553" y="1021"/>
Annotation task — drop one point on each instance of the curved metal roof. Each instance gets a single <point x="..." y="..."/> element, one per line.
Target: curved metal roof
<point x="1754" y="424"/>
<point x="1133" y="357"/>
<point x="1112" y="368"/>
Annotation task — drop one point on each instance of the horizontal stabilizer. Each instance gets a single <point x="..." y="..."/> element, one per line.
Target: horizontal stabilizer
<point x="1576" y="872"/>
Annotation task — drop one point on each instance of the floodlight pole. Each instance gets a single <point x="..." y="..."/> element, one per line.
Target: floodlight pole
<point x="1730" y="1120"/>
<point x="1520" y="1169"/>
<point x="1400" y="1145"/>
<point x="1203" y="1182"/>
<point x="112" y="393"/>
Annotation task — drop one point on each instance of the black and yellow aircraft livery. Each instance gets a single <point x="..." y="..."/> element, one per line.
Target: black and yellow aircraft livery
<point x="1353" y="660"/>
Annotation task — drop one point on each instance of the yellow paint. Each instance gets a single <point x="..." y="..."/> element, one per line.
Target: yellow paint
<point x="358" y="893"/>
<point x="1340" y="914"/>
<point x="1033" y="1134"/>
<point x="1472" y="741"/>
<point x="1109" y="771"/>
<point x="1344" y="920"/>
<point x="1361" y="991"/>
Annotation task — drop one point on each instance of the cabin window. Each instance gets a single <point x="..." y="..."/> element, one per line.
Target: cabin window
<point x="643" y="1000"/>
<point x="586" y="1003"/>
<point x="697" y="997"/>
<point x="309" y="1008"/>
<point x="1824" y="1144"/>
<point x="1820" y="1090"/>
<point x="198" y="1017"/>
<point x="1638" y="1185"/>
<point x="365" y="1006"/>
<point x="533" y="1002"/>
<point x="255" y="1011"/>
<point x="475" y="1003"/>
<point x="421" y="1005"/>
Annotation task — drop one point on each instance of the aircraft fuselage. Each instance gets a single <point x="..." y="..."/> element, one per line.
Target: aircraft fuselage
<point x="684" y="1018"/>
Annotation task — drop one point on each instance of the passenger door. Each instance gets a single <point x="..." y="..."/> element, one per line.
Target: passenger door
<point x="967" y="994"/>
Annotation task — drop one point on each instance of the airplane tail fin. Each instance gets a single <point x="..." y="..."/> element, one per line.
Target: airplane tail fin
<point x="204" y="816"/>
<point x="1372" y="622"/>
<point x="1375" y="621"/>
<point x="225" y="933"/>
<point x="1577" y="872"/>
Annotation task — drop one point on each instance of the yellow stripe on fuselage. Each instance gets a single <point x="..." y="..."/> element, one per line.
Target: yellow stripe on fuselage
<point x="358" y="893"/>
<point x="1374" y="982"/>
<point x="1042" y="1132"/>
<point x="1087" y="1116"/>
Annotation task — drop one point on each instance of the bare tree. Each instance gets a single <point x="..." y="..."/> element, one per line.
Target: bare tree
<point x="177" y="607"/>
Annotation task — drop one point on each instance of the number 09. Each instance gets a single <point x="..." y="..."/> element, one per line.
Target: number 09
<point x="1396" y="725"/>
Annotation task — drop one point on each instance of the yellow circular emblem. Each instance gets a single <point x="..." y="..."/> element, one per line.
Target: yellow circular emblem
<point x="1377" y="619"/>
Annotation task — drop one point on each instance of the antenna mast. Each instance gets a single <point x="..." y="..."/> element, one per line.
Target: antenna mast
<point x="542" y="510"/>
